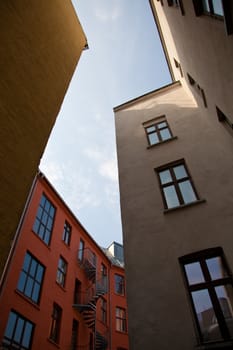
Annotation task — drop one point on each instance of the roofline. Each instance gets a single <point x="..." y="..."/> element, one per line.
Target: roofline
<point x="41" y="175"/>
<point x="147" y="95"/>
<point x="164" y="46"/>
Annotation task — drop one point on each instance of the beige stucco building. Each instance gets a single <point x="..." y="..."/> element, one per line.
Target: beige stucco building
<point x="175" y="162"/>
<point x="41" y="43"/>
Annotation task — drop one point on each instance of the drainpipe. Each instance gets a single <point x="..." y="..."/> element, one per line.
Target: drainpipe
<point x="110" y="309"/>
<point x="17" y="234"/>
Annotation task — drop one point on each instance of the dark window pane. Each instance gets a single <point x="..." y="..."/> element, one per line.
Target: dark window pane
<point x="206" y="316"/>
<point x="187" y="192"/>
<point x="153" y="138"/>
<point x="19" y="330"/>
<point x="171" y="196"/>
<point x="36" y="225"/>
<point x="165" y="134"/>
<point x="52" y="211"/>
<point x="165" y="176"/>
<point x="33" y="268"/>
<point x="216" y="268"/>
<point x="39" y="274"/>
<point x="10" y="325"/>
<point x="180" y="172"/>
<point x="22" y="281"/>
<point x="29" y="286"/>
<point x="27" y="335"/>
<point x="194" y="273"/>
<point x="225" y="298"/>
<point x="35" y="293"/>
<point x="47" y="236"/>
<point x="206" y="5"/>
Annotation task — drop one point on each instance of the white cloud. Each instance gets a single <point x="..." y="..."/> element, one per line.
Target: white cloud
<point x="108" y="169"/>
<point x="105" y="15"/>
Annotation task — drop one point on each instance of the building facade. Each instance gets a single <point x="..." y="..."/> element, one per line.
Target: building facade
<point x="175" y="162"/>
<point x="41" y="43"/>
<point x="61" y="290"/>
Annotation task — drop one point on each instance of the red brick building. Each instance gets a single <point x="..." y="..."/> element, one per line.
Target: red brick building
<point x="62" y="290"/>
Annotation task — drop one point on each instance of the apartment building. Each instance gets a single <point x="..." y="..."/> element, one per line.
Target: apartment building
<point x="41" y="43"/>
<point x="174" y="147"/>
<point x="62" y="290"/>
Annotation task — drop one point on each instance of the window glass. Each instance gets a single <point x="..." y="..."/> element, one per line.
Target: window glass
<point x="216" y="268"/>
<point x="171" y="197"/>
<point x="162" y="125"/>
<point x="180" y="172"/>
<point x="217" y="7"/>
<point x="151" y="129"/>
<point x="225" y="298"/>
<point x="206" y="316"/>
<point x="187" y="191"/>
<point x="206" y="5"/>
<point x="194" y="273"/>
<point x="44" y="219"/>
<point x="165" y="134"/>
<point x="153" y="138"/>
<point x="165" y="176"/>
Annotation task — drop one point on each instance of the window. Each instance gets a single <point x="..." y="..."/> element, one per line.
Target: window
<point x="74" y="336"/>
<point x="223" y="118"/>
<point x="209" y="284"/>
<point x="220" y="9"/>
<point x="119" y="284"/>
<point x="61" y="271"/>
<point x="176" y="185"/>
<point x="18" y="333"/>
<point x="177" y="3"/>
<point x="81" y="250"/>
<point x="43" y="224"/>
<point x="77" y="292"/>
<point x="31" y="278"/>
<point x="158" y="132"/>
<point x="121" y="319"/>
<point x="56" y="323"/>
<point x="103" y="310"/>
<point x="197" y="88"/>
<point x="66" y="233"/>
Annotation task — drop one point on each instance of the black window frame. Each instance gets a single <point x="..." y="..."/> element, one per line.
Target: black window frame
<point x="178" y="4"/>
<point x="44" y="221"/>
<point x="81" y="250"/>
<point x="10" y="342"/>
<point x="55" y="328"/>
<point x="61" y="271"/>
<point x="155" y="123"/>
<point x="208" y="284"/>
<point x="175" y="182"/>
<point x="29" y="275"/>
<point x="66" y="236"/>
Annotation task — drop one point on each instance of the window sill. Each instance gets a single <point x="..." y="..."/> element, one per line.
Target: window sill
<point x="27" y="299"/>
<point x="216" y="346"/>
<point x="183" y="206"/>
<point x="53" y="342"/>
<point x="162" y="142"/>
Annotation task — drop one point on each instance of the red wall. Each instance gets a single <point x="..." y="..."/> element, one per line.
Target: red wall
<point x="51" y="291"/>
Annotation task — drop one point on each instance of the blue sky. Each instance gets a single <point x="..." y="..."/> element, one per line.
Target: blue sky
<point x="124" y="61"/>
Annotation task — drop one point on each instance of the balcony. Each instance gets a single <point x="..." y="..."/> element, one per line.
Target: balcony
<point x="87" y="261"/>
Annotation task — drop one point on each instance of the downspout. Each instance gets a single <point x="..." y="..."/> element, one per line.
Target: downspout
<point x="17" y="234"/>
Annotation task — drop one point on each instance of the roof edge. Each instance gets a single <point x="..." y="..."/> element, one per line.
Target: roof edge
<point x="148" y="95"/>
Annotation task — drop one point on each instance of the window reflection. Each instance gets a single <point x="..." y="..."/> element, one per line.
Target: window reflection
<point x="225" y="298"/>
<point x="187" y="191"/>
<point x="206" y="316"/>
<point x="171" y="197"/>
<point x="194" y="273"/>
<point x="216" y="268"/>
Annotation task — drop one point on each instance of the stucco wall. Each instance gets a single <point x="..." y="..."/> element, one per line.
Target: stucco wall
<point x="159" y="309"/>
